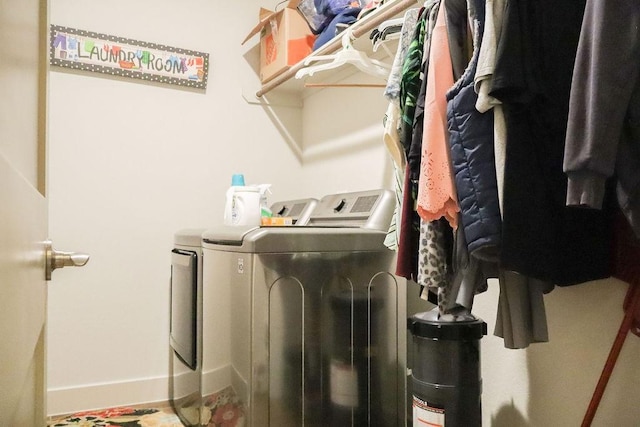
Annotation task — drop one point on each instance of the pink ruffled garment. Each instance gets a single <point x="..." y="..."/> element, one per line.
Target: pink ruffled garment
<point x="436" y="189"/>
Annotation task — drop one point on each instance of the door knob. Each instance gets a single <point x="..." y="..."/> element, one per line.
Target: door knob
<point x="59" y="259"/>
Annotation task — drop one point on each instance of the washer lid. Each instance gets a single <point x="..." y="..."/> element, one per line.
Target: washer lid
<point x="293" y="239"/>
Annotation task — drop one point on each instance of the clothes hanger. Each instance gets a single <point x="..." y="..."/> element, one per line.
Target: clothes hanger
<point x="347" y="55"/>
<point x="382" y="41"/>
<point x="387" y="31"/>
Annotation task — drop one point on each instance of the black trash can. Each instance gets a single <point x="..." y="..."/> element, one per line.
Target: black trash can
<point x="446" y="381"/>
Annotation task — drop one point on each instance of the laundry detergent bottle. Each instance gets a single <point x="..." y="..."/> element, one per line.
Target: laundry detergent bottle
<point x="242" y="204"/>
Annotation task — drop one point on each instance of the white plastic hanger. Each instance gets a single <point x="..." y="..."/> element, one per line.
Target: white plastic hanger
<point x="347" y="55"/>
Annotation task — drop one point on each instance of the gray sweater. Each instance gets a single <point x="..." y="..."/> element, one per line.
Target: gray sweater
<point x="603" y="133"/>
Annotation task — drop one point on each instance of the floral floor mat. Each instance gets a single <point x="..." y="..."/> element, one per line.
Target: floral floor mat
<point x="222" y="409"/>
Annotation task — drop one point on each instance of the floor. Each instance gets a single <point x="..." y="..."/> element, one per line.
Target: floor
<point x="222" y="409"/>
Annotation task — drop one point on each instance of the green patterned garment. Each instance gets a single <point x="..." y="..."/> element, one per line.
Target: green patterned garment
<point x="410" y="82"/>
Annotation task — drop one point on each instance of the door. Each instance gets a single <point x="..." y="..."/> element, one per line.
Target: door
<point x="23" y="211"/>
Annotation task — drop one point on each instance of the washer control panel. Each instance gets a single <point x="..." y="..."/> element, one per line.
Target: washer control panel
<point x="367" y="209"/>
<point x="298" y="210"/>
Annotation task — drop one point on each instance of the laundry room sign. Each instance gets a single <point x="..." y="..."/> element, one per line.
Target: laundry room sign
<point x="117" y="56"/>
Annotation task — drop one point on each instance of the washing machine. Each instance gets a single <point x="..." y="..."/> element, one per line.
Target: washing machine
<point x="199" y="315"/>
<point x="317" y="319"/>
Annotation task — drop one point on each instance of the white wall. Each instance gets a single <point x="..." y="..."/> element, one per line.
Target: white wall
<point x="551" y="384"/>
<point x="132" y="163"/>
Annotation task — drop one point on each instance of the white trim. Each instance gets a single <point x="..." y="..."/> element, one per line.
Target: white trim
<point x="216" y="379"/>
<point x="61" y="401"/>
<point x="107" y="395"/>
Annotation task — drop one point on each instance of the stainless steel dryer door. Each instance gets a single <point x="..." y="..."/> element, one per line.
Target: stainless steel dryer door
<point x="184" y="288"/>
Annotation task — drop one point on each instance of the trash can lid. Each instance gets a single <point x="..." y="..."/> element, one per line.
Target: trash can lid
<point x="428" y="325"/>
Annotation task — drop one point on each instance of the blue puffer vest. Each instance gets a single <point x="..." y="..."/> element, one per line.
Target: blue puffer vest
<point x="471" y="140"/>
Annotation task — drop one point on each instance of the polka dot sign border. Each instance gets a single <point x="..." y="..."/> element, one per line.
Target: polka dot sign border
<point x="121" y="57"/>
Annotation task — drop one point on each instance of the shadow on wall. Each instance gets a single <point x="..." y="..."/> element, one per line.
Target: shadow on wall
<point x="509" y="416"/>
<point x="282" y="107"/>
<point x="583" y="321"/>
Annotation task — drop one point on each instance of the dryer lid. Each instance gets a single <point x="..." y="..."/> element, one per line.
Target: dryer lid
<point x="189" y="237"/>
<point x="228" y="235"/>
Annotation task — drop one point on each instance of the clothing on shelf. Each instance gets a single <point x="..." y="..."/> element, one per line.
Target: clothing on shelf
<point x="327" y="18"/>
<point x="347" y="16"/>
<point x="370" y="6"/>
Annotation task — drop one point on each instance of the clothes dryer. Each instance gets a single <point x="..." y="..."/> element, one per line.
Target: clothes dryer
<point x="199" y="327"/>
<point x="317" y="319"/>
<point x="185" y="367"/>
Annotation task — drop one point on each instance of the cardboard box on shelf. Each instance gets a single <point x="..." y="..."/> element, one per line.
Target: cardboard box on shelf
<point x="285" y="39"/>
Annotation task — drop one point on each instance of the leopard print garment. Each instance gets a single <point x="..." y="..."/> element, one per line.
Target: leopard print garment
<point x="433" y="272"/>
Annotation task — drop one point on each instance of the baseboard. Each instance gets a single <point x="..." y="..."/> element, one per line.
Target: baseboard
<point x="215" y="380"/>
<point x="107" y="395"/>
<point x="61" y="401"/>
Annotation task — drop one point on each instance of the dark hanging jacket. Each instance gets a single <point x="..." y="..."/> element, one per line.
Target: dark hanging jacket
<point x="542" y="237"/>
<point x="603" y="135"/>
<point x="471" y="140"/>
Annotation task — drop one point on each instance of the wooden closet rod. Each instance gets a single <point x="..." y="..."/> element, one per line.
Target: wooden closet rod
<point x="386" y="11"/>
